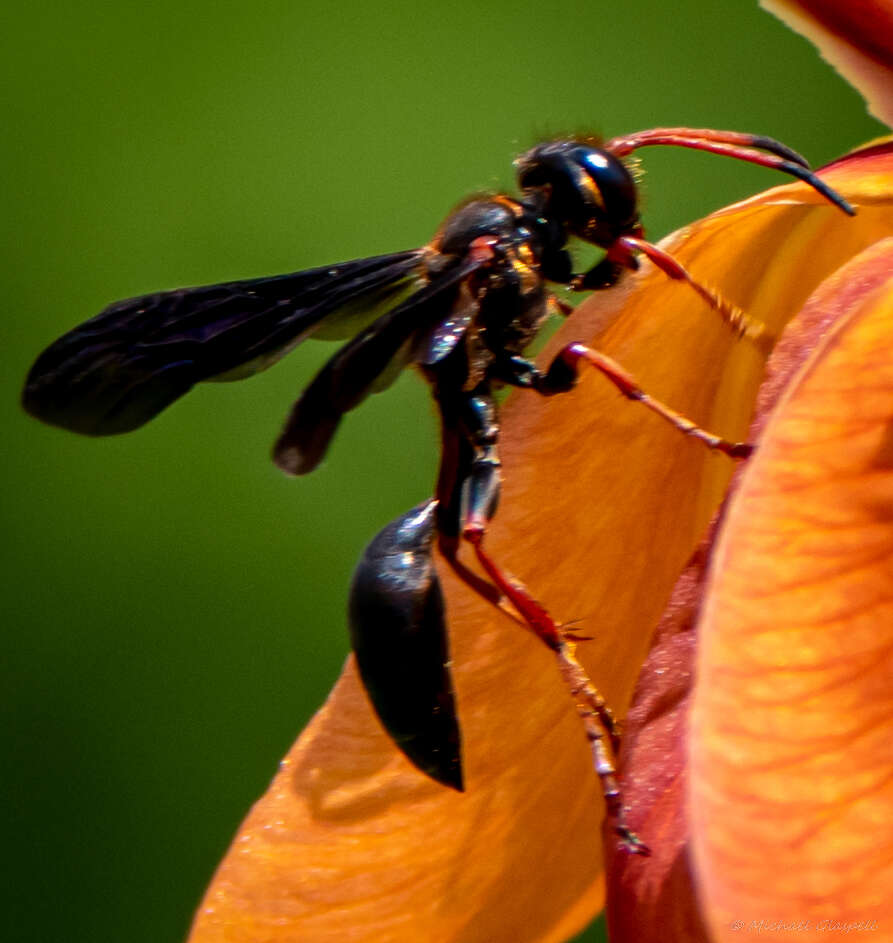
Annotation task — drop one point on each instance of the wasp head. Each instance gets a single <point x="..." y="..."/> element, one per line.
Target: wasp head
<point x="581" y="187"/>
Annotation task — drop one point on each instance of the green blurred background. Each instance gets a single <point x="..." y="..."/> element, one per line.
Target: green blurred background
<point x="173" y="610"/>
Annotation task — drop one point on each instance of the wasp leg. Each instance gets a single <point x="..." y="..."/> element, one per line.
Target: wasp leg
<point x="621" y="256"/>
<point x="604" y="274"/>
<point x="399" y="637"/>
<point x="562" y="375"/>
<point x="480" y="484"/>
<point x="602" y="730"/>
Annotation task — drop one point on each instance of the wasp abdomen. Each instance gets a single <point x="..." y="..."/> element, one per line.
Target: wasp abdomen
<point x="398" y="631"/>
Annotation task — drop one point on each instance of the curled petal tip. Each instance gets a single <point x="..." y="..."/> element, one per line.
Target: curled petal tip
<point x="856" y="37"/>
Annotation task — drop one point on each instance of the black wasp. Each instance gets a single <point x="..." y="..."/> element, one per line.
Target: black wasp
<point x="462" y="308"/>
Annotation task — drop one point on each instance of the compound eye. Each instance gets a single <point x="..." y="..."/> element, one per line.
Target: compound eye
<point x="615" y="187"/>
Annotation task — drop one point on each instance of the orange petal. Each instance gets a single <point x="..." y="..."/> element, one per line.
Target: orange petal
<point x="855" y="36"/>
<point x="601" y="507"/>
<point x="653" y="899"/>
<point x="650" y="900"/>
<point x="791" y="790"/>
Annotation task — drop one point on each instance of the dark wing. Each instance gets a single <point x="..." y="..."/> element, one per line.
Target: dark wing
<point x="121" y="368"/>
<point x="356" y="369"/>
<point x="439" y="342"/>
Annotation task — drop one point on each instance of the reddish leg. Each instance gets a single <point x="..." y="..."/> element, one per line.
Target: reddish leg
<point x="469" y="490"/>
<point x="562" y="374"/>
<point x="740" y="322"/>
<point x="602" y="731"/>
<point x="621" y="254"/>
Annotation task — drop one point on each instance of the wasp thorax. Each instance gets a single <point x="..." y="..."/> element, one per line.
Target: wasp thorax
<point x="584" y="187"/>
<point x="485" y="216"/>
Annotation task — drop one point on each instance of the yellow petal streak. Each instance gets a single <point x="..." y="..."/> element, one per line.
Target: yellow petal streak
<point x="602" y="505"/>
<point x="792" y="724"/>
